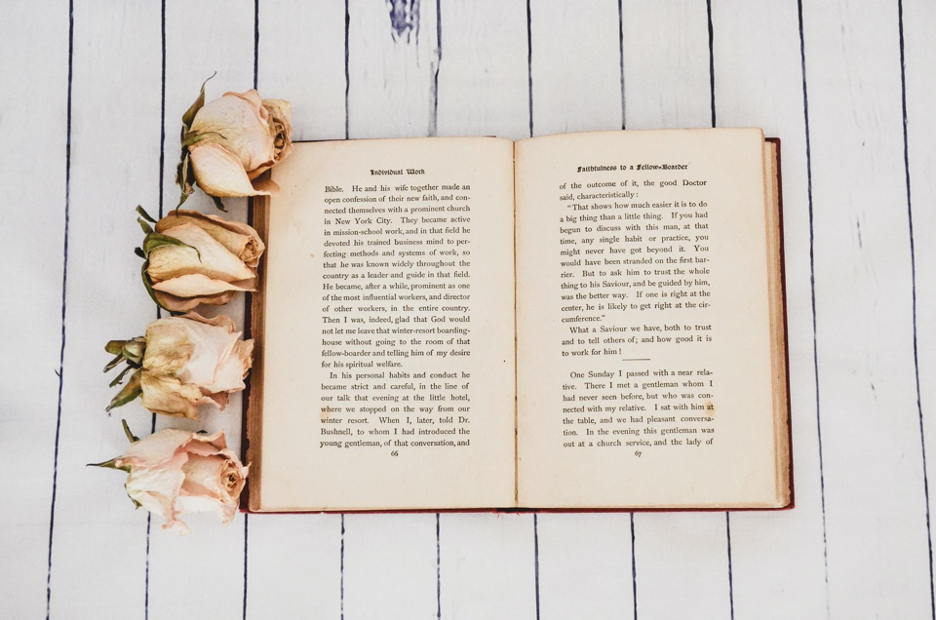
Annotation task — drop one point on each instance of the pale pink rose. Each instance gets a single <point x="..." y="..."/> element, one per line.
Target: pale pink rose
<point x="186" y="361"/>
<point x="216" y="259"/>
<point x="174" y="472"/>
<point x="235" y="139"/>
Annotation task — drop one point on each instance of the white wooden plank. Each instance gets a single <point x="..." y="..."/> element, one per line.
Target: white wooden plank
<point x="302" y="60"/>
<point x="487" y="566"/>
<point x="390" y="566"/>
<point x="393" y="58"/>
<point x="390" y="563"/>
<point x="682" y="565"/>
<point x="294" y="560"/>
<point x="681" y="558"/>
<point x="585" y="566"/>
<point x="32" y="172"/>
<point x="585" y="560"/>
<point x="178" y="566"/>
<point x="99" y="540"/>
<point x="875" y="509"/>
<point x="919" y="18"/>
<point x="576" y="66"/>
<point x="666" y="64"/>
<point x="294" y="566"/>
<point x="483" y="89"/>
<point x="758" y="81"/>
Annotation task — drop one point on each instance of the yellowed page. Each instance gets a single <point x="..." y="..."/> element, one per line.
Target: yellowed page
<point x="389" y="336"/>
<point x="644" y="343"/>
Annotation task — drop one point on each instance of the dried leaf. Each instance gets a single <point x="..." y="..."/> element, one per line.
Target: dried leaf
<point x="155" y="240"/>
<point x="111" y="464"/>
<point x="189" y="115"/>
<point x="132" y="390"/>
<point x="218" y="203"/>
<point x="130" y="436"/>
<point x="146" y="216"/>
<point x="149" y="285"/>
<point x="190" y="138"/>
<point x="133" y="350"/>
<point x="146" y="227"/>
<point x="114" y="347"/>
<point x="114" y="363"/>
<point x="119" y="378"/>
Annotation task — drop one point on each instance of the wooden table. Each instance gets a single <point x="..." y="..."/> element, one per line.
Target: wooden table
<point x="91" y="92"/>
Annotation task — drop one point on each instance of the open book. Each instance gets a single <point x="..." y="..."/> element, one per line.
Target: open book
<point x="582" y="321"/>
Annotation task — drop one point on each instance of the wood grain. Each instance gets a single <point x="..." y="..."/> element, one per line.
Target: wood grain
<point x="759" y="83"/>
<point x="115" y="84"/>
<point x="857" y="544"/>
<point x="867" y="388"/>
<point x="177" y="566"/>
<point x="486" y="563"/>
<point x="919" y="54"/>
<point x="585" y="561"/>
<point x="33" y="315"/>
<point x="305" y="554"/>
<point x="682" y="560"/>
<point x="392" y="62"/>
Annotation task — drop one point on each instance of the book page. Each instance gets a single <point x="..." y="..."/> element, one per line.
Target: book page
<point x="645" y="374"/>
<point x="388" y="348"/>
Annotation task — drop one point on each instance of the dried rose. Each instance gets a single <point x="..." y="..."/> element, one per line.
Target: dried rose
<point x="174" y="472"/>
<point x="181" y="363"/>
<point x="228" y="143"/>
<point x="194" y="259"/>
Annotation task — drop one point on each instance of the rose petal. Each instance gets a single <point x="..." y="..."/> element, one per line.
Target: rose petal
<point x="189" y="504"/>
<point x="239" y="123"/>
<point x="230" y="373"/>
<point x="168" y="347"/>
<point x="182" y="304"/>
<point x="203" y="475"/>
<point x="198" y="285"/>
<point x="157" y="449"/>
<point x="157" y="489"/>
<point x="220" y="320"/>
<point x="170" y="396"/>
<point x="209" y="257"/>
<point x="204" y="444"/>
<point x="239" y="238"/>
<point x="212" y="346"/>
<point x="220" y="173"/>
<point x="168" y="261"/>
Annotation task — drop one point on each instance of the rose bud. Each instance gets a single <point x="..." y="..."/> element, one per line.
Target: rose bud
<point x="228" y="143"/>
<point x="194" y="259"/>
<point x="174" y="472"/>
<point x="181" y="363"/>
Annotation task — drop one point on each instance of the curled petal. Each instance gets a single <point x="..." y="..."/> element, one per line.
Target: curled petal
<point x="198" y="285"/>
<point x="230" y="373"/>
<point x="170" y="396"/>
<point x="157" y="489"/>
<point x="239" y="123"/>
<point x="156" y="449"/>
<point x="205" y="256"/>
<point x="221" y="320"/>
<point x="239" y="238"/>
<point x="281" y="129"/>
<point x="220" y="173"/>
<point x="183" y="304"/>
<point x="168" y="261"/>
<point x="168" y="347"/>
